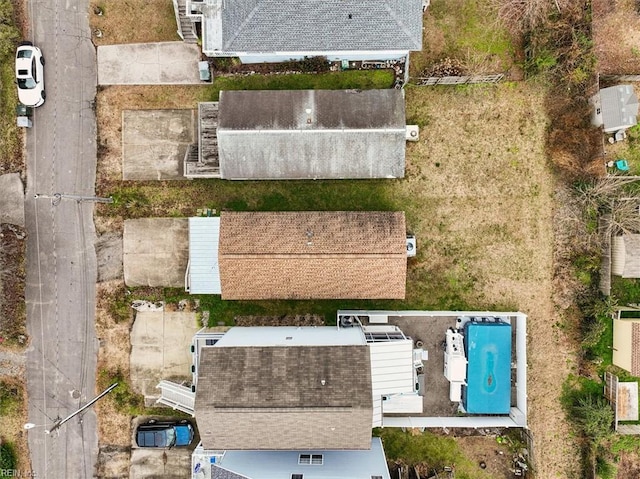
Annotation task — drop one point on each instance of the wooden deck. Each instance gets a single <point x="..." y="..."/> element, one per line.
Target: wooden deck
<point x="201" y="161"/>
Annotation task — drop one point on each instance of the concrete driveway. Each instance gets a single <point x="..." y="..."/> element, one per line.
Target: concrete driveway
<point x="168" y="63"/>
<point x="154" y="143"/>
<point x="156" y="251"/>
<point x="160" y="349"/>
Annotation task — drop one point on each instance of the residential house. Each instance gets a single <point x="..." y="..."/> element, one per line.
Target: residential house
<point x="273" y="31"/>
<point x="625" y="255"/>
<point x="298" y="255"/>
<point x="296" y="464"/>
<point x="615" y="108"/>
<point x="297" y="395"/>
<point x="305" y="387"/>
<point x="301" y="134"/>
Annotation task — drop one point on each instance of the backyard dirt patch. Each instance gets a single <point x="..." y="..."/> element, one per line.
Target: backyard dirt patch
<point x="485" y="450"/>
<point x="616" y="36"/>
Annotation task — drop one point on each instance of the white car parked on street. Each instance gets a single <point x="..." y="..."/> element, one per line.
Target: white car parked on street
<point x="30" y="75"/>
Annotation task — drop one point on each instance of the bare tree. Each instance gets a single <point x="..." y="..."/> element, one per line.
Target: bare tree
<point x="526" y="15"/>
<point x="609" y="195"/>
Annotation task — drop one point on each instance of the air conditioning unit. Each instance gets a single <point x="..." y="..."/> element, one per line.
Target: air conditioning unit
<point x="412" y="133"/>
<point x="411" y="245"/>
<point x="347" y="321"/>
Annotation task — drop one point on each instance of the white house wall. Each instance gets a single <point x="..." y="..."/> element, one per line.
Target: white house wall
<point x="203" y="271"/>
<point x="391" y="372"/>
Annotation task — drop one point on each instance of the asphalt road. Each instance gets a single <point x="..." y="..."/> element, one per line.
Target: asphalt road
<point x="61" y="262"/>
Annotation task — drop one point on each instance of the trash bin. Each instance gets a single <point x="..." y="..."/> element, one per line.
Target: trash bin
<point x="203" y="68"/>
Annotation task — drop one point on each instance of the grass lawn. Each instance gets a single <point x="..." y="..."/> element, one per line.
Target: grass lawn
<point x="10" y="134"/>
<point x="466" y="31"/>
<point x="346" y="80"/>
<point x="133" y="21"/>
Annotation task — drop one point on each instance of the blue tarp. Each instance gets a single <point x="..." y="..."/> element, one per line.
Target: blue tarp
<point x="488" y="349"/>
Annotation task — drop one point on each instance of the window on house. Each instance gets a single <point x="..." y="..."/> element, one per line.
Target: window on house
<point x="297" y="476"/>
<point x="314" y="459"/>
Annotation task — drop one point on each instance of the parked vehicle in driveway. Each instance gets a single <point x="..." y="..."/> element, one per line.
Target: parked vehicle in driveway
<point x="30" y="75"/>
<point x="164" y="434"/>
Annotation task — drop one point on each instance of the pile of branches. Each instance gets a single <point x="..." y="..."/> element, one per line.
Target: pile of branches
<point x="447" y="67"/>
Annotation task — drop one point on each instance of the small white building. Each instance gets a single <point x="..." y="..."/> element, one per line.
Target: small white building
<point x="625" y="255"/>
<point x="615" y="108"/>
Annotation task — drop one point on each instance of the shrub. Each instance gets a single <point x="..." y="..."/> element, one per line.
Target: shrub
<point x="594" y="416"/>
<point x="8" y="458"/>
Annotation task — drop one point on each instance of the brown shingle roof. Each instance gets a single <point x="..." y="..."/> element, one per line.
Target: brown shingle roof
<point x="304" y="255"/>
<point x="273" y="397"/>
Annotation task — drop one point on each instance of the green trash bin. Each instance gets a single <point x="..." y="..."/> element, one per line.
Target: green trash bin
<point x="23" y="110"/>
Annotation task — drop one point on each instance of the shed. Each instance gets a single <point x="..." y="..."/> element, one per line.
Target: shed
<point x="625" y="256"/>
<point x="284" y="397"/>
<point x="311" y="134"/>
<point x="615" y="108"/>
<point x="304" y="255"/>
<point x="626" y="345"/>
<point x="488" y="349"/>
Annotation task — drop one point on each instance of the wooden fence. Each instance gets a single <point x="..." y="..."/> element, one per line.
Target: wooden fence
<point x="620" y="78"/>
<point x="458" y="80"/>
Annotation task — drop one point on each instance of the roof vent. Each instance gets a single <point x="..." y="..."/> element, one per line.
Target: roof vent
<point x="412" y="133"/>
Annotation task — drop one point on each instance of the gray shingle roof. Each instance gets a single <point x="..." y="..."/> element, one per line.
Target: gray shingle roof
<point x="619" y="107"/>
<point x="319" y="25"/>
<point x="308" y="134"/>
<point x="274" y="398"/>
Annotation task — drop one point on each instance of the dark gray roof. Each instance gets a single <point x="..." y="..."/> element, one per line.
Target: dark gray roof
<point x="274" y="397"/>
<point x="320" y="25"/>
<point x="619" y="107"/>
<point x="218" y="472"/>
<point x="311" y="134"/>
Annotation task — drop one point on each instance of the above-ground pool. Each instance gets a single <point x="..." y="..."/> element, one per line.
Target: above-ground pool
<point x="488" y="350"/>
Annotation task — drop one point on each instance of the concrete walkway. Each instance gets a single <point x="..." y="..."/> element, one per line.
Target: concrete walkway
<point x="165" y="63"/>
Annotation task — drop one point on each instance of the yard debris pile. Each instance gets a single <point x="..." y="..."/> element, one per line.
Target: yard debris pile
<point x="446" y="68"/>
<point x="287" y="320"/>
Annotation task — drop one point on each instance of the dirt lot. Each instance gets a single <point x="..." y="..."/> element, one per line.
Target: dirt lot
<point x="616" y="36"/>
